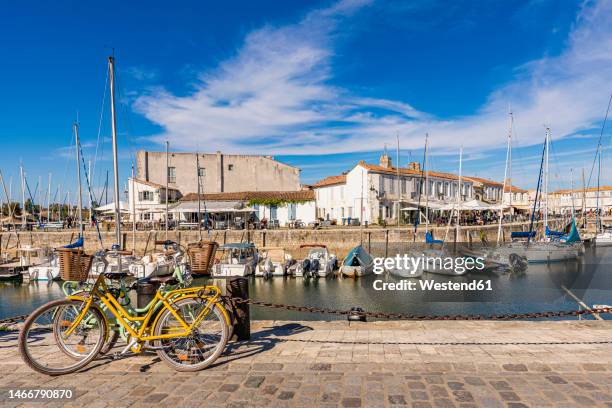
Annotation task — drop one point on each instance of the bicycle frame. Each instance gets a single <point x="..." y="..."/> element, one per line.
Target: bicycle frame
<point x="144" y="332"/>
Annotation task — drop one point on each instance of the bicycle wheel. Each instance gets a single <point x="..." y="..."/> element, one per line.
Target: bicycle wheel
<point x="111" y="338"/>
<point x="45" y="346"/>
<point x="202" y="346"/>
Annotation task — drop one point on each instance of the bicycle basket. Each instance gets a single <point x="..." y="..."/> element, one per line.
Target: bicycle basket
<point x="74" y="264"/>
<point x="201" y="256"/>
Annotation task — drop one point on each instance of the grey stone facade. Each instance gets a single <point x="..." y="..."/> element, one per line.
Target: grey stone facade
<point x="219" y="172"/>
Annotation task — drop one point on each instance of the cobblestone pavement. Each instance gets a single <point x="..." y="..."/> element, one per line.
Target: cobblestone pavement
<point x="382" y="364"/>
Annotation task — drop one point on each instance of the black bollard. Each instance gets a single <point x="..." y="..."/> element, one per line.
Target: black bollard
<point x="238" y="288"/>
<point x="357" y="315"/>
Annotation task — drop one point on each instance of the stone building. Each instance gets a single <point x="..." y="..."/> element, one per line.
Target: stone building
<point x="218" y="172"/>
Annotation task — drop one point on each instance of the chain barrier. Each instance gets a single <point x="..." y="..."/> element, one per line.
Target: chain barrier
<point x="393" y="316"/>
<point x="408" y="316"/>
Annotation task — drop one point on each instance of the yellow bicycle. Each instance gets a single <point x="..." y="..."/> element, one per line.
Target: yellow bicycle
<point x="188" y="328"/>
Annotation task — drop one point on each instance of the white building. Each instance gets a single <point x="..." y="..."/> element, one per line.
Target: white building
<point x="375" y="192"/>
<point x="562" y="201"/>
<point x="150" y="200"/>
<point x="280" y="208"/>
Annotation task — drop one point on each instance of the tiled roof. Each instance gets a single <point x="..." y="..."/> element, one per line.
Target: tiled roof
<point x="515" y="189"/>
<point x="152" y="184"/>
<point x="302" y="195"/>
<point x="580" y="190"/>
<point x="403" y="171"/>
<point x="330" y="181"/>
<point x="484" y="181"/>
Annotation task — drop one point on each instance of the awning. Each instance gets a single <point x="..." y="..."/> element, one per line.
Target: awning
<point x="211" y="207"/>
<point x="110" y="207"/>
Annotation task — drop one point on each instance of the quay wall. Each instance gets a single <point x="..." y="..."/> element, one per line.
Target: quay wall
<point x="338" y="240"/>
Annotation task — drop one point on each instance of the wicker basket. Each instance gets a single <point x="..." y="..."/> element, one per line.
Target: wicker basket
<point x="74" y="264"/>
<point x="201" y="256"/>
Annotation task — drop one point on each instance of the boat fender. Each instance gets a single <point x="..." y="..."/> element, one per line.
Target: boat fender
<point x="517" y="262"/>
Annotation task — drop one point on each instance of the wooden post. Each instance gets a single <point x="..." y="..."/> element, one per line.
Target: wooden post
<point x="263" y="238"/>
<point x="386" y="242"/>
<point x="224" y="237"/>
<point x="238" y="288"/>
<point x="369" y="241"/>
<point x="123" y="240"/>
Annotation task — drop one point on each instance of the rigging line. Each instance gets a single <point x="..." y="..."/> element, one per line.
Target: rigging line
<point x="598" y="151"/>
<point x="91" y="212"/>
<point x="100" y="125"/>
<point x="125" y="118"/>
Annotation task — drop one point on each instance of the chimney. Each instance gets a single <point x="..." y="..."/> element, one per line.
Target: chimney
<point x="416" y="166"/>
<point x="385" y="161"/>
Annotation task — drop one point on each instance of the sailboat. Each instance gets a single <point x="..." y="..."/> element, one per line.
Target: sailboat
<point x="499" y="256"/>
<point x="435" y="258"/>
<point x="603" y="237"/>
<point x="555" y="246"/>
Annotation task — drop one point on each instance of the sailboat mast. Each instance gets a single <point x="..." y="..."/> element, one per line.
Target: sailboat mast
<point x="597" y="196"/>
<point x="199" y="209"/>
<point x="133" y="212"/>
<point x="459" y="193"/>
<point x="426" y="186"/>
<point x="501" y="205"/>
<point x="23" y="209"/>
<point x="167" y="182"/>
<point x="399" y="191"/>
<point x="546" y="178"/>
<point x="79" y="194"/>
<point x="111" y="70"/>
<point x="49" y="200"/>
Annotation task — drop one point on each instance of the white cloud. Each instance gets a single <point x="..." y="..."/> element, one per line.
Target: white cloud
<point x="274" y="96"/>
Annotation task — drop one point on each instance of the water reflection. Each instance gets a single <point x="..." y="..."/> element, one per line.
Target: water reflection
<point x="537" y="289"/>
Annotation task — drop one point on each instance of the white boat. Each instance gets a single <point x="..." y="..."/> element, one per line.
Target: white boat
<point x="358" y="262"/>
<point x="319" y="262"/>
<point x="410" y="269"/>
<point x="33" y="263"/>
<point x="238" y="259"/>
<point x="603" y="239"/>
<point x="46" y="267"/>
<point x="273" y="261"/>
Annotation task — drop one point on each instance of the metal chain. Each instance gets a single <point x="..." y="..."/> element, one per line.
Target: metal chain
<point x="13" y="319"/>
<point x="405" y="316"/>
<point x="394" y="316"/>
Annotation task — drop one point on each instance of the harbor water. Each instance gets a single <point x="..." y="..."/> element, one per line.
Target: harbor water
<point x="539" y="288"/>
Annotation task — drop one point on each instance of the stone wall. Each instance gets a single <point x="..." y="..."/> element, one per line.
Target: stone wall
<point x="339" y="240"/>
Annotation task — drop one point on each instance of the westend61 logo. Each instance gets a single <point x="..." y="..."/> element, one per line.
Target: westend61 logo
<point x="412" y="265"/>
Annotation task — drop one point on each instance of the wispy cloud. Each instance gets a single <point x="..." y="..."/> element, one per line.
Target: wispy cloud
<point x="275" y="96"/>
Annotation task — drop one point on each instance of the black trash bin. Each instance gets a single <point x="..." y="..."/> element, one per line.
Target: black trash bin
<point x="145" y="292"/>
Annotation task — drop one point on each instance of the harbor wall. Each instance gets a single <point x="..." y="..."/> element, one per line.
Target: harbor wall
<point x="339" y="240"/>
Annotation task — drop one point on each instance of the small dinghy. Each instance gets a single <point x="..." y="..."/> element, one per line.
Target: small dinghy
<point x="358" y="262"/>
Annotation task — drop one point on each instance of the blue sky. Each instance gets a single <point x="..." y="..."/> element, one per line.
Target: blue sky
<point x="318" y="84"/>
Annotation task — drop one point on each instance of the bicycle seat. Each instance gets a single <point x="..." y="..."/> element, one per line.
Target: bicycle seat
<point x="115" y="275"/>
<point x="167" y="279"/>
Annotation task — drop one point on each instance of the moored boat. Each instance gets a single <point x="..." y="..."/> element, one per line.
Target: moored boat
<point x="358" y="262"/>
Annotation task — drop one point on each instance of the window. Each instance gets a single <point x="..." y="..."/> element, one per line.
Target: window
<point x="145" y="196"/>
<point x="382" y="184"/>
<point x="171" y="174"/>
<point x="392" y="186"/>
<point x="230" y="167"/>
<point x="201" y="172"/>
<point x="404" y="186"/>
<point x="273" y="210"/>
<point x="145" y="216"/>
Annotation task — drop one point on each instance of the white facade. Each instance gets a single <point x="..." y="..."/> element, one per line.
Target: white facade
<point x="149" y="200"/>
<point x="371" y="193"/>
